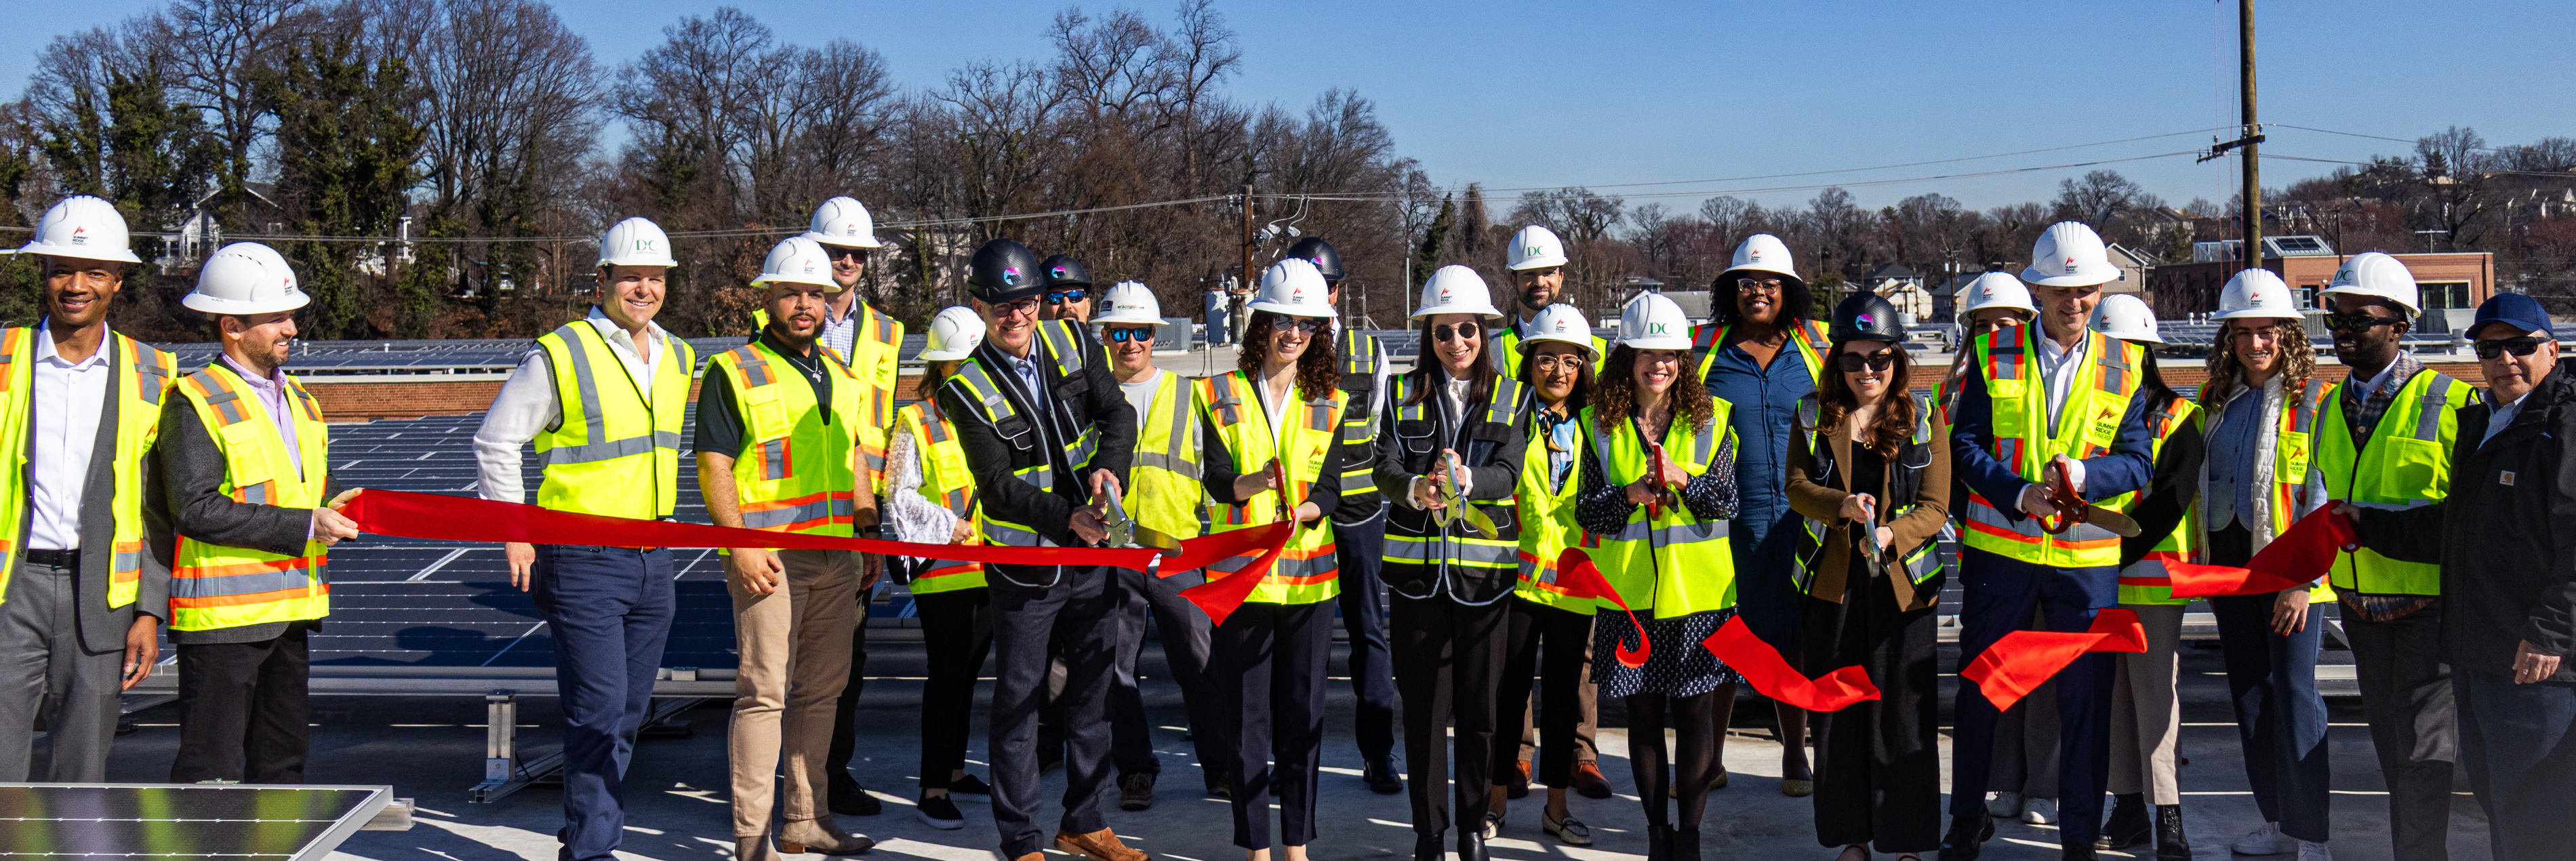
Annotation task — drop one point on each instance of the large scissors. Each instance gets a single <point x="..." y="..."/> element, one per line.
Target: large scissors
<point x="2072" y="509"/>
<point x="1454" y="508"/>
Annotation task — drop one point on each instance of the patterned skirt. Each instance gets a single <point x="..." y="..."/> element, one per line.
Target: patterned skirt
<point x="1676" y="664"/>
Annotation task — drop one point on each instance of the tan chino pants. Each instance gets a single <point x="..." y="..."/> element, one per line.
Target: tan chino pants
<point x="795" y="649"/>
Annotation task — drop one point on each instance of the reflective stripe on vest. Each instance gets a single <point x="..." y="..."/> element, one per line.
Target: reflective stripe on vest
<point x="1358" y="353"/>
<point x="2405" y="463"/>
<point x="1547" y="521"/>
<point x="214" y="587"/>
<point x="945" y="479"/>
<point x="1163" y="491"/>
<point x="1808" y="336"/>
<point x="2086" y="424"/>
<point x="1307" y="571"/>
<point x="797" y="470"/>
<point x="1675" y="564"/>
<point x="612" y="453"/>
<point x="142" y="378"/>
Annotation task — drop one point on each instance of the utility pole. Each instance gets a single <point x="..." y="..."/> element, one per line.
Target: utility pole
<point x="1246" y="282"/>
<point x="2248" y="139"/>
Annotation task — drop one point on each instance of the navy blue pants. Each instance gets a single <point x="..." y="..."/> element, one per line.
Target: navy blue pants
<point x="1183" y="629"/>
<point x="1360" y="548"/>
<point x="2000" y="596"/>
<point x="1082" y="614"/>
<point x="609" y="611"/>
<point x="2518" y="743"/>
<point x="2280" y="716"/>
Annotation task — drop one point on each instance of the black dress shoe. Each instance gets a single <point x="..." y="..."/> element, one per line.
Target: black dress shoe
<point x="2129" y="825"/>
<point x="970" y="785"/>
<point x="2076" y="852"/>
<point x="1685" y="844"/>
<point x="1428" y="847"/>
<point x="1471" y="845"/>
<point x="2171" y="845"/>
<point x="1967" y="837"/>
<point x="1659" y="843"/>
<point x="848" y="798"/>
<point x="1379" y="774"/>
<point x="1136" y="791"/>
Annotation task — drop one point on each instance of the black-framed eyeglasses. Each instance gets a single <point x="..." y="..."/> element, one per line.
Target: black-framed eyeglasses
<point x="1852" y="363"/>
<point x="1062" y="296"/>
<point x="2355" y="322"/>
<point x="1308" y="325"/>
<point x="836" y="252"/>
<point x="1131" y="333"/>
<point x="1015" y="307"/>
<point x="1758" y="285"/>
<point x="1462" y="331"/>
<point x="2519" y="347"/>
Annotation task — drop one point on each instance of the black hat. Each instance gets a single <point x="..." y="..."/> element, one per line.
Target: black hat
<point x="1004" y="270"/>
<point x="1866" y="316"/>
<point x="1314" y="249"/>
<point x="1062" y="270"/>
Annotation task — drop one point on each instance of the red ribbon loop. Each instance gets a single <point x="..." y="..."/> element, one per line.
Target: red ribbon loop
<point x="1576" y="574"/>
<point x="2303" y="553"/>
<point x="2008" y="670"/>
<point x="1764" y="669"/>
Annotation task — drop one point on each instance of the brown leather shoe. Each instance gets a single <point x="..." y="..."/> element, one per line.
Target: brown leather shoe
<point x="1101" y="845"/>
<point x="820" y="834"/>
<point x="1033" y="856"/>
<point x="1519" y="787"/>
<point x="1588" y="781"/>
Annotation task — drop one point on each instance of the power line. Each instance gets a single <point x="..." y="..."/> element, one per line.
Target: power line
<point x="1866" y="169"/>
<point x="1852" y="184"/>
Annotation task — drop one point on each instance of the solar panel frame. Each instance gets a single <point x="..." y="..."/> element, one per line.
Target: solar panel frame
<point x="236" y="817"/>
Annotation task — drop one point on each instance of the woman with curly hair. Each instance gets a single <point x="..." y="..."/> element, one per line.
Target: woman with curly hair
<point x="1274" y="453"/>
<point x="1658" y="490"/>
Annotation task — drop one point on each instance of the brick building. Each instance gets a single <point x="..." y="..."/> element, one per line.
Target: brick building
<point x="2452" y="284"/>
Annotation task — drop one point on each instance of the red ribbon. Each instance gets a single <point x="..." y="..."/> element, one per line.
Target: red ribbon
<point x="1578" y="577"/>
<point x="460" y="518"/>
<point x="1222" y="594"/>
<point x="1764" y="669"/>
<point x="2008" y="670"/>
<point x="2297" y="558"/>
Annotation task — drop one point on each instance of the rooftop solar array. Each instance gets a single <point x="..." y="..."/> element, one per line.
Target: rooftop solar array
<point x="331" y="358"/>
<point x="290" y="823"/>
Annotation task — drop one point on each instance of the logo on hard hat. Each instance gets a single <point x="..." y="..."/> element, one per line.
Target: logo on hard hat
<point x="80" y="235"/>
<point x="1010" y="275"/>
<point x="1532" y="251"/>
<point x="1055" y="272"/>
<point x="1753" y="256"/>
<point x="643" y="245"/>
<point x="1318" y="260"/>
<point x="1444" y="295"/>
<point x="1656" y="328"/>
<point x="1865" y="321"/>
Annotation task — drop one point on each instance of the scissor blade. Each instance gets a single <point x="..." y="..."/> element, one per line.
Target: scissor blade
<point x="2119" y="524"/>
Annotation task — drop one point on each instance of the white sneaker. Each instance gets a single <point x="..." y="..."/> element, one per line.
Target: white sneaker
<point x="2310" y="850"/>
<point x="2039" y="811"/>
<point x="2003" y="805"/>
<point x="2266" y="840"/>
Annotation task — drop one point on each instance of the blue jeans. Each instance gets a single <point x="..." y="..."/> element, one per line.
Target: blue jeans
<point x="2518" y="743"/>
<point x="609" y="610"/>
<point x="2280" y="716"/>
<point x="2000" y="595"/>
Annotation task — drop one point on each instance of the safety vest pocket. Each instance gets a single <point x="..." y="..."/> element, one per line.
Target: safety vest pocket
<point x="250" y="464"/>
<point x="2415" y="469"/>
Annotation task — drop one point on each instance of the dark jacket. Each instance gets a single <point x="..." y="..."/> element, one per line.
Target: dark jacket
<point x="2170" y="492"/>
<point x="1089" y="398"/>
<point x="2125" y="467"/>
<point x="2506" y="535"/>
<point x="192" y="472"/>
<point x="1217" y="472"/>
<point x="1491" y="451"/>
<point x="102" y="629"/>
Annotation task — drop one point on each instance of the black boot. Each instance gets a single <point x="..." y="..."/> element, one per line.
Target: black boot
<point x="1967" y="837"/>
<point x="1685" y="844"/>
<point x="2076" y="852"/>
<point x="2171" y="845"/>
<point x="1471" y="845"/>
<point x="1427" y="847"/>
<point x="1659" y="843"/>
<point x="2128" y="826"/>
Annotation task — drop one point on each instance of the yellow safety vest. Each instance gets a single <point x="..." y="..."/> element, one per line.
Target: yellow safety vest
<point x="873" y="356"/>
<point x="1056" y="343"/>
<point x="214" y="587"/>
<point x="1921" y="564"/>
<point x="2096" y="401"/>
<point x="612" y="454"/>
<point x="1673" y="564"/>
<point x="1307" y="571"/>
<point x="947" y="479"/>
<point x="1163" y="491"/>
<point x="143" y="377"/>
<point x="1808" y="336"/>
<point x="1458" y="547"/>
<point x="2406" y="463"/>
<point x="797" y="471"/>
<point x="2147" y="581"/>
<point x="1507" y="350"/>
<point x="1547" y="520"/>
<point x="1358" y="353"/>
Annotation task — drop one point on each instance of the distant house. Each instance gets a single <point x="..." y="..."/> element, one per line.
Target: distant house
<point x="2451" y="285"/>
<point x="2134" y="266"/>
<point x="1903" y="288"/>
<point x="200" y="234"/>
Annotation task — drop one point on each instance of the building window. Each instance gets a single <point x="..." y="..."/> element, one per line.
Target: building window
<point x="2308" y="297"/>
<point x="2445" y="294"/>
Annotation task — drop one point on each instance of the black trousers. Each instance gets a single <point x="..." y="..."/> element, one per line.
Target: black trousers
<point x="1082" y="612"/>
<point x="845" y="711"/>
<point x="1360" y="548"/>
<point x="2414" y="724"/>
<point x="1878" y="763"/>
<point x="1183" y="630"/>
<point x="1271" y="660"/>
<point x="243" y="714"/>
<point x="1567" y="637"/>
<point x="956" y="634"/>
<point x="1449" y="666"/>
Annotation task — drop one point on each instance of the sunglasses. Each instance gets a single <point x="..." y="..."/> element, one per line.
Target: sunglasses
<point x="836" y="252"/>
<point x="1853" y="362"/>
<point x="1763" y="285"/>
<point x="1461" y="332"/>
<point x="1308" y="325"/>
<point x="2522" y="346"/>
<point x="1139" y="333"/>
<point x="2355" y="322"/>
<point x="1068" y="296"/>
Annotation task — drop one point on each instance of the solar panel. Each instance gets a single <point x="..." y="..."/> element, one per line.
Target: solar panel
<point x="182" y="821"/>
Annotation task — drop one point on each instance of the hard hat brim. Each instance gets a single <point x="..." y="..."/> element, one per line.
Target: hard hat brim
<point x="2256" y="313"/>
<point x="869" y="241"/>
<point x="768" y="278"/>
<point x="1664" y="343"/>
<point x="2356" y="290"/>
<point x="195" y="301"/>
<point x="1530" y="344"/>
<point x="937" y="356"/>
<point x="2031" y="276"/>
<point x="1540" y="262"/>
<point x="1738" y="271"/>
<point x="664" y="262"/>
<point x="1128" y="320"/>
<point x="998" y="295"/>
<point x="1290" y="310"/>
<point x="119" y="255"/>
<point x="1485" y="310"/>
<point x="2149" y="338"/>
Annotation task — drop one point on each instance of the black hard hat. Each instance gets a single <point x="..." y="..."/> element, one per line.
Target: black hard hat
<point x="1062" y="270"/>
<point x="1866" y="316"/>
<point x="1004" y="270"/>
<point x="1314" y="249"/>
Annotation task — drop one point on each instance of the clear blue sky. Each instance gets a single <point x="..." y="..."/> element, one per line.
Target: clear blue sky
<point x="1537" y="94"/>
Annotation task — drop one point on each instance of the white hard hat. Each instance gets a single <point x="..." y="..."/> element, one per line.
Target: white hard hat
<point x="635" y="242"/>
<point x="1293" y="287"/>
<point x="1536" y="247"/>
<point x="954" y="332"/>
<point x="844" y="222"/>
<point x="1763" y="252"/>
<point x="85" y="228"/>
<point x="2127" y="318"/>
<point x="245" y="278"/>
<point x="2371" y="273"/>
<point x="2256" y="293"/>
<point x="1456" y="289"/>
<point x="1653" y="322"/>
<point x="1563" y="324"/>
<point x="1130" y="303"/>
<point x="1993" y="290"/>
<point x="797" y="260"/>
<point x="2070" y="255"/>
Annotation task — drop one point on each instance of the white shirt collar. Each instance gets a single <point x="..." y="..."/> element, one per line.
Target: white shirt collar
<point x="45" y="351"/>
<point x="609" y="326"/>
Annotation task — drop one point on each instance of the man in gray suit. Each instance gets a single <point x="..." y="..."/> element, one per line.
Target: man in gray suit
<point x="86" y="579"/>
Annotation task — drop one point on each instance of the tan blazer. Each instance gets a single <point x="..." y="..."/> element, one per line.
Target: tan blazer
<point x="1824" y="504"/>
